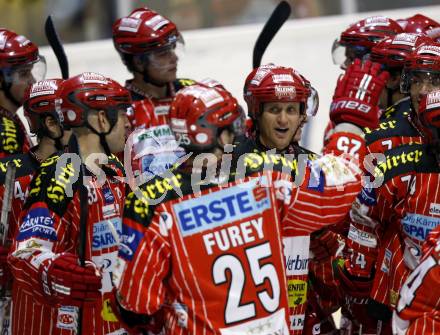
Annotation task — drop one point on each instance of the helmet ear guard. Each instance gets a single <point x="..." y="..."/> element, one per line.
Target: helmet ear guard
<point x="199" y="113"/>
<point x="269" y="83"/>
<point x="360" y="37"/>
<point x="92" y="92"/>
<point x="424" y="59"/>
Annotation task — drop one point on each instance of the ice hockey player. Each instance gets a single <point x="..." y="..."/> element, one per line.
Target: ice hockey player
<point x="20" y="66"/>
<point x="65" y="250"/>
<point x="149" y="45"/>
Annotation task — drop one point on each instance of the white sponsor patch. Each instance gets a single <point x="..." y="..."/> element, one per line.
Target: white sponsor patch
<point x="208" y="96"/>
<point x="282" y="91"/>
<point x="283" y="190"/>
<point x="272" y="324"/>
<point x="261" y="73"/>
<point x="377" y="21"/>
<point x="44" y="87"/>
<point x="40" y="258"/>
<point x="129" y="24"/>
<point x="433" y="100"/>
<point x="362" y="237"/>
<point x="405" y="39"/>
<point x="109" y="211"/>
<point x="67" y="318"/>
<point x="3" y="40"/>
<point x="296" y="253"/>
<point x="161" y="110"/>
<point x="433" y="33"/>
<point x="93" y="78"/>
<point x="386" y="263"/>
<point x="434" y="209"/>
<point x="278" y="78"/>
<point x="179" y="125"/>
<point x="22" y="40"/>
<point x="157" y="22"/>
<point x="429" y="49"/>
<point x="297" y="322"/>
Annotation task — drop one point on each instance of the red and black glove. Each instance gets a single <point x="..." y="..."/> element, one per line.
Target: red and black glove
<point x="5" y="272"/>
<point x="325" y="244"/>
<point x="357" y="94"/>
<point x="65" y="282"/>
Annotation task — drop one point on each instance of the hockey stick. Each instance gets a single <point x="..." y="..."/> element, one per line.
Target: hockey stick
<point x="7" y="201"/>
<point x="83" y="216"/>
<point x="57" y="47"/>
<point x="279" y="15"/>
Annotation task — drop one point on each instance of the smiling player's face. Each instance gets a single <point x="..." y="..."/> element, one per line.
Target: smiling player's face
<point x="280" y="124"/>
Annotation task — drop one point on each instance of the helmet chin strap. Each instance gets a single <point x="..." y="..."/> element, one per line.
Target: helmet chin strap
<point x="7" y="89"/>
<point x="102" y="139"/>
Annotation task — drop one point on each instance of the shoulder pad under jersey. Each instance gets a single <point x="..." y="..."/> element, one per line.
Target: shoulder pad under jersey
<point x="389" y="128"/>
<point x="55" y="183"/>
<point x="404" y="159"/>
<point x="11" y="137"/>
<point x="259" y="161"/>
<point x="400" y="109"/>
<point x="139" y="206"/>
<point x="180" y="83"/>
<point x="299" y="150"/>
<point x="114" y="167"/>
<point x="25" y="164"/>
<point x="393" y="123"/>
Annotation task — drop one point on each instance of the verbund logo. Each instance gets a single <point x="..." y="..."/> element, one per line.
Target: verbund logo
<point x="221" y="207"/>
<point x="296" y="253"/>
<point x="434" y="209"/>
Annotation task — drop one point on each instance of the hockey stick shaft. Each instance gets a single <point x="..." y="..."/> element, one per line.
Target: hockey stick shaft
<point x="276" y="20"/>
<point x="57" y="47"/>
<point x="7" y="201"/>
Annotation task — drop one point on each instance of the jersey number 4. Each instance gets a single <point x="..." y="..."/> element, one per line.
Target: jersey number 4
<point x="415" y="279"/>
<point x="235" y="309"/>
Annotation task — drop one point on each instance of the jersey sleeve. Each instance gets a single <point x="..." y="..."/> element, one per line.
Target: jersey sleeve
<point x="419" y="302"/>
<point x="144" y="257"/>
<point x="44" y="227"/>
<point x="375" y="208"/>
<point x="12" y="138"/>
<point x="331" y="182"/>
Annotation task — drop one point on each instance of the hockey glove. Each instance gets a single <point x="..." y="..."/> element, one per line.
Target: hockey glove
<point x="357" y="95"/>
<point x="65" y="282"/>
<point x="356" y="294"/>
<point x="325" y="244"/>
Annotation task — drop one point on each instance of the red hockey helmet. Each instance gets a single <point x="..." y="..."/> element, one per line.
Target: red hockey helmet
<point x="421" y="24"/>
<point x="144" y="30"/>
<point x="425" y="59"/>
<point x="429" y="116"/>
<point x="393" y="51"/>
<point x="91" y="91"/>
<point x="418" y="24"/>
<point x="358" y="39"/>
<point x="16" y="52"/>
<point x="269" y="83"/>
<point x="198" y="113"/>
<point x="40" y="100"/>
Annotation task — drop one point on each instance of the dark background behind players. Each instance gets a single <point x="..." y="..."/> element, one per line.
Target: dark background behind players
<point x="86" y="20"/>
